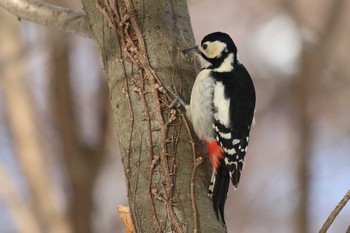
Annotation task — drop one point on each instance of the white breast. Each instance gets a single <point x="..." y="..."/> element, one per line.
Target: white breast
<point x="201" y="110"/>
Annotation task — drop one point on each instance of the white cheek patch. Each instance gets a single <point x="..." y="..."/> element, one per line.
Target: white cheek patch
<point x="214" y="49"/>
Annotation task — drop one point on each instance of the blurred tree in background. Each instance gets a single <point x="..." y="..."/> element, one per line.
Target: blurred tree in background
<point x="42" y="114"/>
<point x="59" y="161"/>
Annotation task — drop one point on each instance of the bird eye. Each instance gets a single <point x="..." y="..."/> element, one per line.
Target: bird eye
<point x="205" y="46"/>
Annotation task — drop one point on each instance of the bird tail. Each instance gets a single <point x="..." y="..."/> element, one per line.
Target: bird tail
<point x="218" y="189"/>
<point x="220" y="180"/>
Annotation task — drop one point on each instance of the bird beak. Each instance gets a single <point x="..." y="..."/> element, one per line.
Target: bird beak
<point x="191" y="51"/>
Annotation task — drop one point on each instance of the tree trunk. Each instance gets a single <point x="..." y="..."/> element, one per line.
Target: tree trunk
<point x="141" y="52"/>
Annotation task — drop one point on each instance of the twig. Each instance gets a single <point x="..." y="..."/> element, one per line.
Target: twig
<point x="64" y="19"/>
<point x="156" y="224"/>
<point x="125" y="216"/>
<point x="335" y="213"/>
<point x="199" y="160"/>
<point x="196" y="163"/>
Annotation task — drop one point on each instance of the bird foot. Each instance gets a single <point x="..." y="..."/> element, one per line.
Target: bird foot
<point x="177" y="98"/>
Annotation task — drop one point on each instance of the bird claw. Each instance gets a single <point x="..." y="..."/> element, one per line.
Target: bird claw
<point x="173" y="103"/>
<point x="177" y="98"/>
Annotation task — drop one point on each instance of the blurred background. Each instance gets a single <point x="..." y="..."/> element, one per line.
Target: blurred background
<point x="59" y="163"/>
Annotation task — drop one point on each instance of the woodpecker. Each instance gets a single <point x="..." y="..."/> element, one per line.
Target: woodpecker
<point x="221" y="110"/>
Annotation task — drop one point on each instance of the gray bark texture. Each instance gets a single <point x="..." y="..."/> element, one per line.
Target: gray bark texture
<point x="166" y="171"/>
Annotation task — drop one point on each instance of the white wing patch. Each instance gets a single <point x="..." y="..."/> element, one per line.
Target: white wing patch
<point x="227" y="162"/>
<point x="222" y="105"/>
<point x="225" y="135"/>
<point x="235" y="141"/>
<point x="229" y="151"/>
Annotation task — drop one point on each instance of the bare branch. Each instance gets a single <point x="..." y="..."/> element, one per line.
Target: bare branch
<point x="64" y="19"/>
<point x="335" y="212"/>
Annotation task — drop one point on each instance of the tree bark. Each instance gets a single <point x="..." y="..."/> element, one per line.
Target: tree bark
<point x="141" y="53"/>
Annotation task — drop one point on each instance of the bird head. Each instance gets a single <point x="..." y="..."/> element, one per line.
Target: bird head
<point x="213" y="50"/>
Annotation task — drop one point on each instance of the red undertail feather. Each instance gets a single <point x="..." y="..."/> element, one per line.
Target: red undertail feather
<point x="216" y="154"/>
